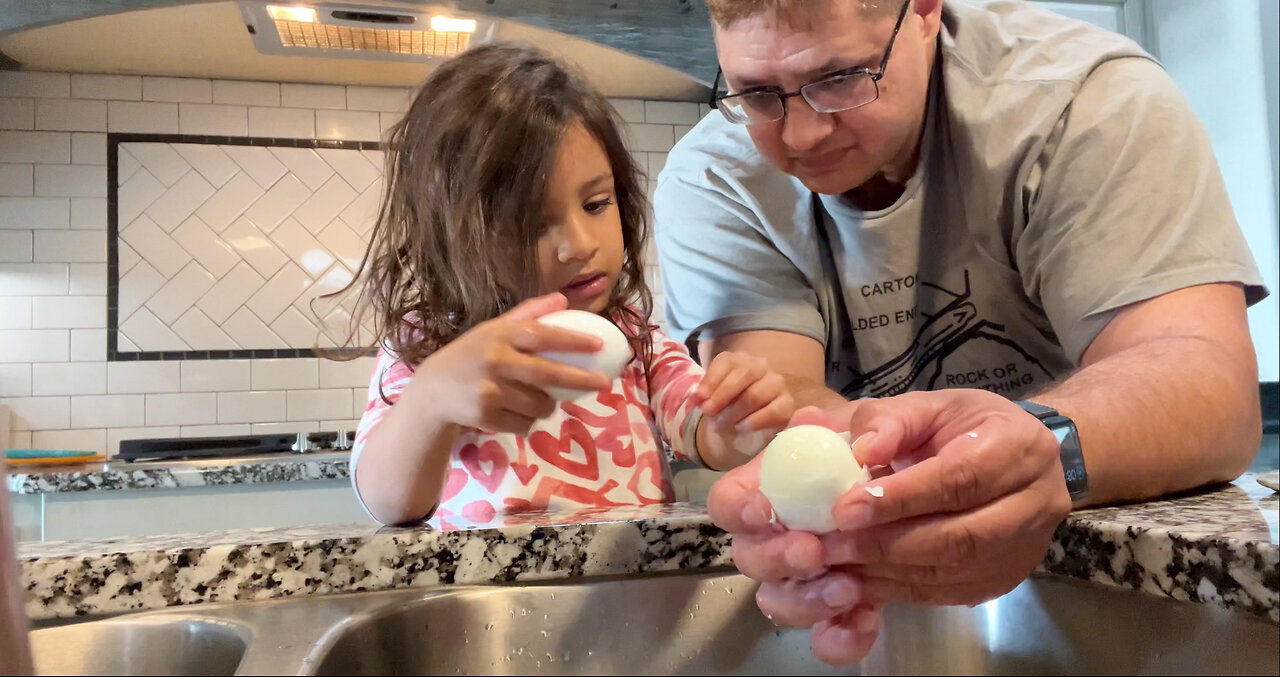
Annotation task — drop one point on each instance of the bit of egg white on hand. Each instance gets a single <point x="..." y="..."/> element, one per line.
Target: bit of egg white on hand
<point x="878" y="492"/>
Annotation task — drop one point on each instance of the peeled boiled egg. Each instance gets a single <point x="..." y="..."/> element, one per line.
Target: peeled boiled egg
<point x="804" y="471"/>
<point x="609" y="360"/>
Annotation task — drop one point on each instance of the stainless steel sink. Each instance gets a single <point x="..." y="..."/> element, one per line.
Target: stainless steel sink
<point x="168" y="644"/>
<point x="700" y="623"/>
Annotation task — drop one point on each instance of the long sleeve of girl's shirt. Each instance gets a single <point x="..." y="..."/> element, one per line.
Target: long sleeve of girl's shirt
<point x="673" y="378"/>
<point x="390" y="378"/>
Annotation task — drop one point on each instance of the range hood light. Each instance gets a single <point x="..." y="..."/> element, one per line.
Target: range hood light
<point x="294" y="13"/>
<point x="445" y="24"/>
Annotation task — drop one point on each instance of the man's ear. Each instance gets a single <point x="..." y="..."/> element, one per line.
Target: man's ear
<point x="930" y="13"/>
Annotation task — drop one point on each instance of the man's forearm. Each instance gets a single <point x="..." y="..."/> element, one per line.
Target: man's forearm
<point x="1164" y="416"/>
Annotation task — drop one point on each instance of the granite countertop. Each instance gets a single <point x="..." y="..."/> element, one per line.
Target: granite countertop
<point x="1217" y="546"/>
<point x="119" y="475"/>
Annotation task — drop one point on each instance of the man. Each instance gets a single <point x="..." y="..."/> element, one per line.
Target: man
<point x="947" y="208"/>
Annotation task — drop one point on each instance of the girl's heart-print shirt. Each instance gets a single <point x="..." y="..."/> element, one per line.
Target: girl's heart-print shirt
<point x="599" y="451"/>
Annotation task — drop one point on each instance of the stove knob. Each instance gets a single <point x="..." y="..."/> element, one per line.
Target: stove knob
<point x="343" y="441"/>
<point x="303" y="445"/>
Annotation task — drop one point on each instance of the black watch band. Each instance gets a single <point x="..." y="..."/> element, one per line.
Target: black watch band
<point x="1064" y="429"/>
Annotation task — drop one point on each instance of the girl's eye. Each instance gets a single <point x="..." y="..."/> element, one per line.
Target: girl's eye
<point x="598" y="206"/>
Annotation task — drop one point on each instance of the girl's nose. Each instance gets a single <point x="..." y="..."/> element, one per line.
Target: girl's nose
<point x="577" y="242"/>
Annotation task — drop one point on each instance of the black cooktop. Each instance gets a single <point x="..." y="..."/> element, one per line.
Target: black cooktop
<point x="179" y="448"/>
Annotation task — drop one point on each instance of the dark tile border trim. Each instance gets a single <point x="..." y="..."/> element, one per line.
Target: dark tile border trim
<point x="114" y="354"/>
<point x="1270" y="396"/>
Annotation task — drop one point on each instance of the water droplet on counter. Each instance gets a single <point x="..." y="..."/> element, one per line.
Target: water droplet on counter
<point x="553" y="595"/>
<point x="488" y="626"/>
<point x="566" y="657"/>
<point x="546" y="616"/>
<point x="545" y="633"/>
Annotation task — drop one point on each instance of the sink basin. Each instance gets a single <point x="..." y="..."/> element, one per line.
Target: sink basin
<point x="166" y="644"/>
<point x="686" y="623"/>
<point x="709" y="624"/>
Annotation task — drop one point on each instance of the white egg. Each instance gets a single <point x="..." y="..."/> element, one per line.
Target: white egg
<point x="805" y="470"/>
<point x="610" y="360"/>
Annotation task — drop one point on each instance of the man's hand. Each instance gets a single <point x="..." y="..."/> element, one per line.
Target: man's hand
<point x="968" y="513"/>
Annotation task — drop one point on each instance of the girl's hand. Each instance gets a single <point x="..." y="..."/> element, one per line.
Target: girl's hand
<point x="492" y="378"/>
<point x="744" y="404"/>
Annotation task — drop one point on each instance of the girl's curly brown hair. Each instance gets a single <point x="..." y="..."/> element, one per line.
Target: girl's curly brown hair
<point x="455" y="240"/>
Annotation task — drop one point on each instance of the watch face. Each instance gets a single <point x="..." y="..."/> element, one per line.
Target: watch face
<point x="1072" y="459"/>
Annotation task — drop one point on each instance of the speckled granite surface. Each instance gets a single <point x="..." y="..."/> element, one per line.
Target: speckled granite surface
<point x="114" y="475"/>
<point x="1216" y="547"/>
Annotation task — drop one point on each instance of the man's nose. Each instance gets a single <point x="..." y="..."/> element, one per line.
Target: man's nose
<point x="803" y="128"/>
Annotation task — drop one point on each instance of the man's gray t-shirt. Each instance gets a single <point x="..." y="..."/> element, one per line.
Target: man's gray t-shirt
<point x="1061" y="177"/>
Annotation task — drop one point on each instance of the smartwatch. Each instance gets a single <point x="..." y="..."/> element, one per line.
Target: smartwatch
<point x="1064" y="429"/>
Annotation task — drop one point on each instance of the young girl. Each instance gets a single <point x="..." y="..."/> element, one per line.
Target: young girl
<point x="510" y="195"/>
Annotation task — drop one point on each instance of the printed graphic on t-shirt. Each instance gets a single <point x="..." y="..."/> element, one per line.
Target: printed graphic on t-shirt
<point x="954" y="345"/>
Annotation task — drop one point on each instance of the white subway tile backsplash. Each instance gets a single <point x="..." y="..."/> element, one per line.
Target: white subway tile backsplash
<point x="126" y="164"/>
<point x="142" y="116"/>
<point x="386" y="120"/>
<point x="71" y="180"/>
<point x="300" y="246"/>
<point x="282" y="123"/>
<point x="136" y="286"/>
<point x="294" y="328"/>
<point x="182" y="409"/>
<point x="107" y="411"/>
<point x="655" y="138"/>
<point x="89" y="213"/>
<point x="246" y="93"/>
<point x="48" y="147"/>
<point x="180" y="293"/>
<point x="15" y="247"/>
<point x="347" y="124"/>
<point x="20" y="439"/>
<point x="147" y="332"/>
<point x="161" y="159"/>
<point x="38" y="413"/>
<point x="17" y="113"/>
<point x="348" y="374"/>
<point x="656" y="163"/>
<point x="631" y="110"/>
<point x="385" y="99"/>
<point x="285" y="428"/>
<point x="247" y="330"/>
<point x="33" y="345"/>
<point x="15" y="380"/>
<point x="344" y="243"/>
<point x="88" y="86"/>
<point x="254" y="247"/>
<point x="359" y="401"/>
<point x="88" y="148"/>
<point x="199" y="331"/>
<point x="15" y="312"/>
<point x="305" y="164"/>
<point x="179" y="201"/>
<point x="126" y="257"/>
<point x="215" y="430"/>
<point x="16" y="180"/>
<point x="671" y="112"/>
<point x="135" y="195"/>
<point x="88" y="439"/>
<point x="348" y="424"/>
<point x="34" y="279"/>
<point x="278" y="293"/>
<point x="88" y="345"/>
<point x="69" y="378"/>
<point x="34" y="212"/>
<point x="35" y="83"/>
<point x="251" y="407"/>
<point x="213" y="253"/>
<point x="279" y="201"/>
<point x="306" y="405"/>
<point x="185" y="90"/>
<point x="155" y="246"/>
<point x="285" y="374"/>
<point x="230" y="293"/>
<point x="149" y="376"/>
<point x="117" y="435"/>
<point x="88" y="279"/>
<point x="70" y="246"/>
<point x="71" y="115"/>
<point x="312" y="96"/>
<point x="323" y="205"/>
<point x="229" y="202"/>
<point x="213" y="118"/>
<point x="215" y="375"/>
<point x="363" y="211"/>
<point x="355" y="167"/>
<point x="209" y="161"/>
<point x="70" y="312"/>
<point x="678" y="131"/>
<point x="258" y="163"/>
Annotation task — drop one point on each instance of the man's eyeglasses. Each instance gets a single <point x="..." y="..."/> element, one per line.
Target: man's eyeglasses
<point x="840" y="91"/>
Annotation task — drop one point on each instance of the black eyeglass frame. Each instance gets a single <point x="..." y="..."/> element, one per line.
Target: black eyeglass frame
<point x="715" y="99"/>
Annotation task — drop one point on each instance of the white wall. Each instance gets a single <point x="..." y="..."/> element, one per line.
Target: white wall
<point x="1214" y="50"/>
<point x="53" y="279"/>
